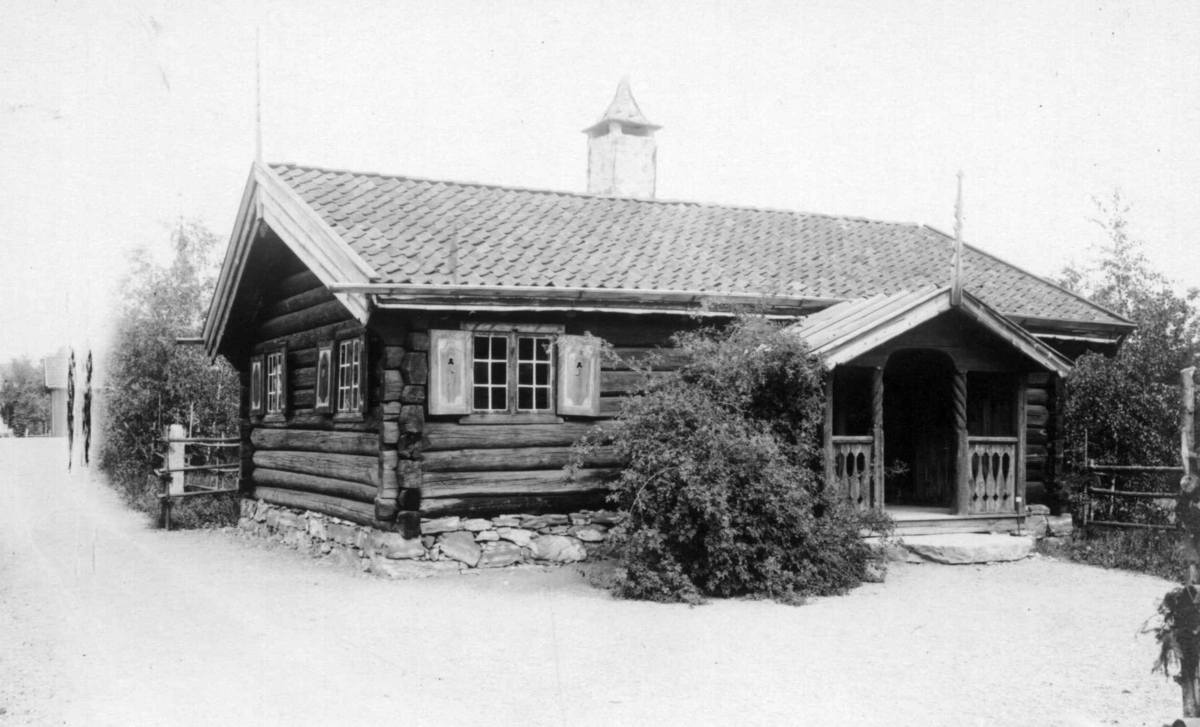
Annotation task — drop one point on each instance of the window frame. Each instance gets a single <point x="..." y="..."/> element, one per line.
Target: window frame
<point x="279" y="411"/>
<point x="512" y="413"/>
<point x="358" y="409"/>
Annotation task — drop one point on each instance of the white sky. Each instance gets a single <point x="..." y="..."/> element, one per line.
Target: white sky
<point x="118" y="117"/>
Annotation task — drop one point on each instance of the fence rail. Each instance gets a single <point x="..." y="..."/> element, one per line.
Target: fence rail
<point x="1097" y="471"/>
<point x="174" y="474"/>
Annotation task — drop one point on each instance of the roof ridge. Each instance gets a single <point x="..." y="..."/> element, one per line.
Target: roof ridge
<point x="1037" y="277"/>
<point x="585" y="195"/>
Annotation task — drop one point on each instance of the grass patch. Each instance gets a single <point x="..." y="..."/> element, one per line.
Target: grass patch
<point x="214" y="511"/>
<point x="1155" y="552"/>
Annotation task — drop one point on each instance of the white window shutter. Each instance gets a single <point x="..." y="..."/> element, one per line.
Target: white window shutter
<point x="579" y="376"/>
<point x="257" y="398"/>
<point x="449" y="372"/>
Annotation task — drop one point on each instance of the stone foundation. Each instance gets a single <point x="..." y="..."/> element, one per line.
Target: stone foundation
<point x="1041" y="524"/>
<point x="446" y="544"/>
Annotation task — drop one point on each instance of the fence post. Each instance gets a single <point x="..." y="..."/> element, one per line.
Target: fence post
<point x="175" y="458"/>
<point x="1187" y="420"/>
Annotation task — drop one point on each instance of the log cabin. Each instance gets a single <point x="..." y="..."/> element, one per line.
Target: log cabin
<point x="413" y="348"/>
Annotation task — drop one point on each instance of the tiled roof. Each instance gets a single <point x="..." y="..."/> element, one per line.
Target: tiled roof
<point x="408" y="229"/>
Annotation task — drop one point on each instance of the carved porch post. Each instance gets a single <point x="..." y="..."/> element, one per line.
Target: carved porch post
<point x="877" y="430"/>
<point x="828" y="434"/>
<point x="1022" y="424"/>
<point x="962" y="490"/>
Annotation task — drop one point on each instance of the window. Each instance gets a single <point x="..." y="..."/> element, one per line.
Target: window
<point x="513" y="372"/>
<point x="275" y="383"/>
<point x="350" y="362"/>
<point x="505" y="373"/>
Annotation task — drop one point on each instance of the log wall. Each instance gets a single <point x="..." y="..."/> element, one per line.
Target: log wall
<point x="447" y="467"/>
<point x="1041" y="436"/>
<point x="335" y="465"/>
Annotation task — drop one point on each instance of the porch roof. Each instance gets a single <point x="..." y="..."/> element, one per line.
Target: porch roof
<point x="847" y="330"/>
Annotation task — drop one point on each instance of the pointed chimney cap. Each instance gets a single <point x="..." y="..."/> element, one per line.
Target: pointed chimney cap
<point x="624" y="110"/>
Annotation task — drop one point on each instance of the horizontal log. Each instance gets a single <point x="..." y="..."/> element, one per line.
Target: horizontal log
<point x="667" y="359"/>
<point x="488" y="506"/>
<point x="1041" y="379"/>
<point x="308" y="419"/>
<point x="447" y="435"/>
<point x="495" y="484"/>
<point x="301" y="357"/>
<point x="305" y="378"/>
<point x="294" y="284"/>
<point x="352" y="467"/>
<point x="310" y="337"/>
<point x="1036" y="416"/>
<point x="299" y="302"/>
<point x="352" y="510"/>
<point x="302" y="399"/>
<point x="623" y="382"/>
<point x="313" y="483"/>
<point x="524" y="458"/>
<point x="610" y="406"/>
<point x="1036" y="396"/>
<point x="301" y="440"/>
<point x="304" y="320"/>
<point x="635" y="333"/>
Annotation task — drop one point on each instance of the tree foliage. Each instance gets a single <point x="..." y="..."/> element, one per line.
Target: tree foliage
<point x="154" y="382"/>
<point x="721" y="476"/>
<point x="24" y="398"/>
<point x="1127" y="407"/>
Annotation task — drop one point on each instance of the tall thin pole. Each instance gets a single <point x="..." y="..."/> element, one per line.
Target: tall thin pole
<point x="956" y="275"/>
<point x="258" y="148"/>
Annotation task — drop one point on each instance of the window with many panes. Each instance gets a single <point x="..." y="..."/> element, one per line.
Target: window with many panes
<point x="275" y="391"/>
<point x="513" y="372"/>
<point x="349" y="375"/>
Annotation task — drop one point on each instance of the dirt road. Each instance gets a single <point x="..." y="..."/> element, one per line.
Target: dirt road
<point x="104" y="621"/>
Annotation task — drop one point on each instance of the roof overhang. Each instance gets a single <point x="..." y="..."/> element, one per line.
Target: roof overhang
<point x="608" y="300"/>
<point x="846" y="331"/>
<point x="268" y="199"/>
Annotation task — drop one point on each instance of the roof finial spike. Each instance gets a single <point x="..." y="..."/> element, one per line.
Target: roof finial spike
<point x="956" y="287"/>
<point x="258" y="147"/>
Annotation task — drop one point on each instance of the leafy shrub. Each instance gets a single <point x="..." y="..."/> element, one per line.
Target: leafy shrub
<point x="1126" y="408"/>
<point x="1154" y="552"/>
<point x="156" y="382"/>
<point x="721" y="476"/>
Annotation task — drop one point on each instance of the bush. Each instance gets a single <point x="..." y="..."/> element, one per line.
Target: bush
<point x="1154" y="552"/>
<point x="157" y="382"/>
<point x="721" y="476"/>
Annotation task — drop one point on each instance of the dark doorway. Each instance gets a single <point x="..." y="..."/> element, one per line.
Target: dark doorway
<point x="918" y="427"/>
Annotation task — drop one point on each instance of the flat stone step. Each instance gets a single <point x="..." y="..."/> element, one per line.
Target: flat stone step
<point x="959" y="548"/>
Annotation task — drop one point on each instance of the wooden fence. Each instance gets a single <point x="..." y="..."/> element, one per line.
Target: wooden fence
<point x="174" y="474"/>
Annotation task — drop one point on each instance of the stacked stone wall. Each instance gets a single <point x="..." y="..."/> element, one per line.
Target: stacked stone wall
<point x="448" y="543"/>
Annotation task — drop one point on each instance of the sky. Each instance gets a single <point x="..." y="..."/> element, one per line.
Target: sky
<point x="118" y="118"/>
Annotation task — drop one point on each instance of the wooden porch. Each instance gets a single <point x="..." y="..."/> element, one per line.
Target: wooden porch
<point x="947" y="387"/>
<point x="921" y="520"/>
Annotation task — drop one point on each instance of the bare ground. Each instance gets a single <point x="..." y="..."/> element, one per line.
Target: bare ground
<point x="104" y="621"/>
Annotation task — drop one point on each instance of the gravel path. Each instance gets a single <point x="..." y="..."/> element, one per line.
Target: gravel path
<point x="104" y="621"/>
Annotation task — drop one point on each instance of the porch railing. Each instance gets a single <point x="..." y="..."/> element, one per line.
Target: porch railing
<point x="992" y="480"/>
<point x="852" y="468"/>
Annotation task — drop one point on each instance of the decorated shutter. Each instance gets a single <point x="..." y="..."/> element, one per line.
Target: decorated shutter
<point x="362" y="375"/>
<point x="449" y="372"/>
<point x="323" y="401"/>
<point x="258" y="405"/>
<point x="579" y="376"/>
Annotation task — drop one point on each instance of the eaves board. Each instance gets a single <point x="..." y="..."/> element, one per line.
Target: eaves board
<point x="268" y="199"/>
